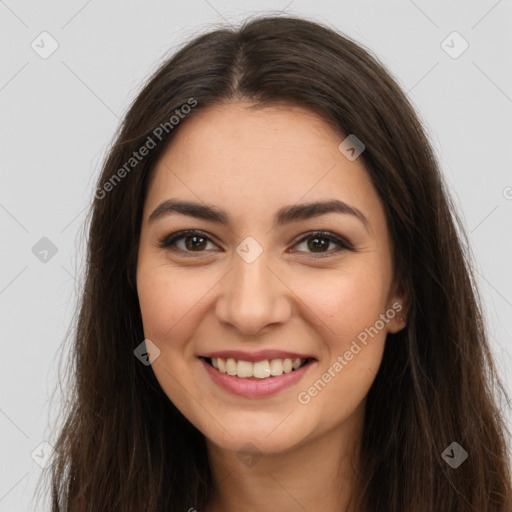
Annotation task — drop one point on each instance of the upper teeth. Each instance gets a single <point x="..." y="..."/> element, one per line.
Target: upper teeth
<point x="259" y="369"/>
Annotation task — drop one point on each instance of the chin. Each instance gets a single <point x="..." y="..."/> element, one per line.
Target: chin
<point x="268" y="434"/>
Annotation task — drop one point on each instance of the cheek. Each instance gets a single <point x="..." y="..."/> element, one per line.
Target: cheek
<point x="348" y="305"/>
<point x="353" y="347"/>
<point x="167" y="301"/>
<point x="346" y="302"/>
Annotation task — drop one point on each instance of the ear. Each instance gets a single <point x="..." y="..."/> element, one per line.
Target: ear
<point x="397" y="308"/>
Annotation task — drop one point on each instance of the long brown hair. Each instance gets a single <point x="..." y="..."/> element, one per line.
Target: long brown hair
<point x="124" y="446"/>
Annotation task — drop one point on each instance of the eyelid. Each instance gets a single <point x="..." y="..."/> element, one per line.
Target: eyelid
<point x="342" y="243"/>
<point x="167" y="241"/>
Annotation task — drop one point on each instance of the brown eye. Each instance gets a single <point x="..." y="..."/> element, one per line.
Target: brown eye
<point x="193" y="241"/>
<point x="319" y="243"/>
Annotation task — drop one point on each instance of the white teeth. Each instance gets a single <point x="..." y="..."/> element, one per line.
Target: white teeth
<point x="244" y="369"/>
<point x="231" y="367"/>
<point x="259" y="369"/>
<point x="276" y="367"/>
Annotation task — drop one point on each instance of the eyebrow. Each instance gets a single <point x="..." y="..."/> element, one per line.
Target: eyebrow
<point x="285" y="215"/>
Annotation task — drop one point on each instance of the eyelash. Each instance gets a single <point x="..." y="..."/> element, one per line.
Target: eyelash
<point x="169" y="241"/>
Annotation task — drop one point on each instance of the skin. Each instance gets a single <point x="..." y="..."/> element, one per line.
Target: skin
<point x="250" y="163"/>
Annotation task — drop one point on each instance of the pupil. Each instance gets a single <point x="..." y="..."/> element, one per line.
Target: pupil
<point x="195" y="244"/>
<point x="317" y="243"/>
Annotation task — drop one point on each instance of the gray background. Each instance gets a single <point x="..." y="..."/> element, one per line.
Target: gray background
<point x="60" y="113"/>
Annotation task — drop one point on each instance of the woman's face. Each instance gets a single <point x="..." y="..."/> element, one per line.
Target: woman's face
<point x="255" y="290"/>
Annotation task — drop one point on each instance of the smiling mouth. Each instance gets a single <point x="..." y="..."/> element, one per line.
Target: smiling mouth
<point x="259" y="370"/>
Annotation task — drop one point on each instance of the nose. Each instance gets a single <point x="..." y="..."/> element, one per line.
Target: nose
<point x="253" y="297"/>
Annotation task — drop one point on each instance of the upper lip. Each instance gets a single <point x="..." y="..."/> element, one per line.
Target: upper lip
<point x="260" y="355"/>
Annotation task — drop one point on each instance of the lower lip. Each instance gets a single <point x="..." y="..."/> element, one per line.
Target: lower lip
<point x="255" y="388"/>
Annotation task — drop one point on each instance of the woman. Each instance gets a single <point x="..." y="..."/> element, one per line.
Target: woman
<point x="279" y="309"/>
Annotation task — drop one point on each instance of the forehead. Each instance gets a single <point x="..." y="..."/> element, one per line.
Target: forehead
<point x="246" y="134"/>
<point x="257" y="159"/>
